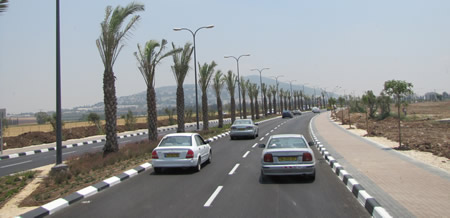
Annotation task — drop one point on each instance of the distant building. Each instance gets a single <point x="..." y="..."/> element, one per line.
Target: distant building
<point x="2" y="113"/>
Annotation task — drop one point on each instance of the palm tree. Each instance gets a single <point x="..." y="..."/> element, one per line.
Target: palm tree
<point x="230" y="80"/>
<point x="286" y="94"/>
<point x="109" y="46"/>
<point x="269" y="97"/>
<point x="255" y="95"/>
<point x="274" y="93"/>
<point x="148" y="58"/>
<point x="264" y="91"/>
<point x="180" y="69"/>
<point x="205" y="74"/>
<point x="289" y="99"/>
<point x="281" y="99"/>
<point x="244" y="92"/>
<point x="3" y="5"/>
<point x="218" y="82"/>
<point x="250" y="95"/>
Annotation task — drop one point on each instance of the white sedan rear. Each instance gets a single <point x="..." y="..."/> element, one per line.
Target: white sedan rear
<point x="181" y="150"/>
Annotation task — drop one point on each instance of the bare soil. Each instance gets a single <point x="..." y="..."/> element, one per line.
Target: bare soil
<point x="420" y="129"/>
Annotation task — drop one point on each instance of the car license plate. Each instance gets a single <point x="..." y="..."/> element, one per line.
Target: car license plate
<point x="241" y="128"/>
<point x="287" y="158"/>
<point x="171" y="155"/>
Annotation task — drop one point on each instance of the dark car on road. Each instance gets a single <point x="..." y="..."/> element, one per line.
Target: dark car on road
<point x="287" y="113"/>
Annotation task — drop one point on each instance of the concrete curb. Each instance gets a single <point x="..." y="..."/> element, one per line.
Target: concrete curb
<point x="161" y="129"/>
<point x="66" y="201"/>
<point x="364" y="198"/>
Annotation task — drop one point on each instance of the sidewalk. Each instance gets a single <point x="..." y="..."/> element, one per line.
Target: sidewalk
<point x="403" y="186"/>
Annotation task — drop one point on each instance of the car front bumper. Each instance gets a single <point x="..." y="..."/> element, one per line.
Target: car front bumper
<point x="292" y="169"/>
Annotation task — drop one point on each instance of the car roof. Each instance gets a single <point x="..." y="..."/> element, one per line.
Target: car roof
<point x="181" y="134"/>
<point x="287" y="136"/>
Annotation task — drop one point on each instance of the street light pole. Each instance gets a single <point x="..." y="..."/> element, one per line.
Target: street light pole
<point x="239" y="80"/>
<point x="195" y="65"/>
<point x="260" y="85"/>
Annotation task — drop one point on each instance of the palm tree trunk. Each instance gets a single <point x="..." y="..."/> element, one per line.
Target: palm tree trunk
<point x="265" y="105"/>
<point x="399" y="123"/>
<point x="270" y="105"/>
<point x="301" y="101"/>
<point x="109" y="92"/>
<point x="252" y="108"/>
<point x="152" y="117"/>
<point x="244" y="107"/>
<point x="205" y="110"/>
<point x="220" y="111"/>
<point x="274" y="104"/>
<point x="232" y="109"/>
<point x="256" y="108"/>
<point x="180" y="108"/>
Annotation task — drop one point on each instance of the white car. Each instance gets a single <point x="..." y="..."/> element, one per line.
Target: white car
<point x="287" y="154"/>
<point x="181" y="150"/>
<point x="315" y="110"/>
<point x="244" y="128"/>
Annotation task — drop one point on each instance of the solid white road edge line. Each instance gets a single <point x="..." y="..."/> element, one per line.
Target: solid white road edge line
<point x="245" y="155"/>
<point x="234" y="169"/>
<point x="16" y="164"/>
<point x="213" y="196"/>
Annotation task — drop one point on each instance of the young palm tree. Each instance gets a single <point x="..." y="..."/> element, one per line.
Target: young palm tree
<point x="180" y="69"/>
<point x="244" y="93"/>
<point x="205" y="74"/>
<point x="218" y="83"/>
<point x="250" y="91"/>
<point x="281" y="99"/>
<point x="289" y="97"/>
<point x="264" y="91"/>
<point x="269" y="97"/>
<point x="255" y="95"/>
<point x="109" y="45"/>
<point x="274" y="94"/>
<point x="148" y="58"/>
<point x="286" y="94"/>
<point x="230" y="80"/>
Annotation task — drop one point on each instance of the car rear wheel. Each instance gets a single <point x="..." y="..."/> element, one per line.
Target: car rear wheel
<point x="312" y="177"/>
<point x="209" y="158"/>
<point x="199" y="165"/>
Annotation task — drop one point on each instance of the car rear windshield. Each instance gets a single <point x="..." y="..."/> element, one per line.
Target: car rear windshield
<point x="176" y="141"/>
<point x="287" y="143"/>
<point x="242" y="122"/>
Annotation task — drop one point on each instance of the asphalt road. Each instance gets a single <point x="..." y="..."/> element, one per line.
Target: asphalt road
<point x="228" y="187"/>
<point x="23" y="163"/>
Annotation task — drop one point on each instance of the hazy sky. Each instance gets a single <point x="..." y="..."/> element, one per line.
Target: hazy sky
<point x="356" y="45"/>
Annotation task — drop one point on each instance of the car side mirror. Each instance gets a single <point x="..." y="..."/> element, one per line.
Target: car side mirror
<point x="261" y="145"/>
<point x="311" y="143"/>
<point x="256" y="124"/>
<point x="207" y="141"/>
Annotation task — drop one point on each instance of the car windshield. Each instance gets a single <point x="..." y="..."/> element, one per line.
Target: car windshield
<point x="176" y="141"/>
<point x="292" y="142"/>
<point x="242" y="122"/>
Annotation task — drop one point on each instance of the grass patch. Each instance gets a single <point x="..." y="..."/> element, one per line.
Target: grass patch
<point x="11" y="185"/>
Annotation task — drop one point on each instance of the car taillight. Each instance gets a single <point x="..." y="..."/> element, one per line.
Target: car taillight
<point x="190" y="154"/>
<point x="307" y="156"/>
<point x="233" y="127"/>
<point x="154" y="155"/>
<point x="268" y="158"/>
<point x="249" y="127"/>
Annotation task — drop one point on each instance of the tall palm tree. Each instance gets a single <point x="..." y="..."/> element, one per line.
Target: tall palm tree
<point x="109" y="45"/>
<point x="218" y="82"/>
<point x="3" y="5"/>
<point x="255" y="95"/>
<point x="269" y="97"/>
<point x="244" y="93"/>
<point x="274" y="94"/>
<point x="148" y="58"/>
<point x="281" y="99"/>
<point x="286" y="95"/>
<point x="180" y="69"/>
<point x="230" y="80"/>
<point x="264" y="92"/>
<point x="251" y="95"/>
<point x="205" y="74"/>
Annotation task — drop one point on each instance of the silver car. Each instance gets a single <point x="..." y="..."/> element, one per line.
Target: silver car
<point x="181" y="150"/>
<point x="244" y="128"/>
<point x="315" y="110"/>
<point x="287" y="154"/>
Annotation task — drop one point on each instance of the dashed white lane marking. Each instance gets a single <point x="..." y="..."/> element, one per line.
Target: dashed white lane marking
<point x="267" y="134"/>
<point x="213" y="196"/>
<point x="245" y="155"/>
<point x="11" y="165"/>
<point x="254" y="145"/>
<point x="271" y="130"/>
<point x="261" y="139"/>
<point x="234" y="169"/>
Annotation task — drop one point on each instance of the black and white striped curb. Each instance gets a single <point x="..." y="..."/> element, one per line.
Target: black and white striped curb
<point x="366" y="200"/>
<point x="61" y="203"/>
<point x="27" y="153"/>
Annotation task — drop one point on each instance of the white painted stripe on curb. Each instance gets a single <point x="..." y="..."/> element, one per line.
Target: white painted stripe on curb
<point x="213" y="196"/>
<point x="363" y="196"/>
<point x="80" y="143"/>
<point x="69" y="146"/>
<point x="29" y="153"/>
<point x="351" y="183"/>
<point x="234" y="169"/>
<point x="13" y="156"/>
<point x="131" y="172"/>
<point x="380" y="212"/>
<point x="44" y="150"/>
<point x="56" y="205"/>
<point x="146" y="166"/>
<point x="343" y="173"/>
<point x="112" y="181"/>
<point x="88" y="191"/>
<point x="245" y="155"/>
